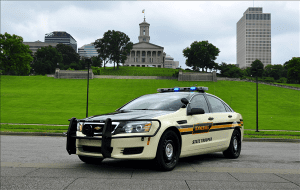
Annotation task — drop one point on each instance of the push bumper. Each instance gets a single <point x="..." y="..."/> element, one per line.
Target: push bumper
<point x="104" y="144"/>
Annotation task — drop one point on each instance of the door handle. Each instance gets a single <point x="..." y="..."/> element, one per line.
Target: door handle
<point x="210" y="118"/>
<point x="230" y="116"/>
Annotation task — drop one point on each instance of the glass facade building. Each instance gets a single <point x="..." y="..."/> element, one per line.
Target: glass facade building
<point x="253" y="37"/>
<point x="87" y="50"/>
<point x="62" y="38"/>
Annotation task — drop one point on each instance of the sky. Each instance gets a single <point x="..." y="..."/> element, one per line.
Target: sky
<point x="174" y="25"/>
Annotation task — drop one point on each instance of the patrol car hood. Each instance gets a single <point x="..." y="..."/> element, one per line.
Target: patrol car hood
<point x="131" y="114"/>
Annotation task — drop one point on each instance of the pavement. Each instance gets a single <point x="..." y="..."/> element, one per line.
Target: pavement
<point x="33" y="162"/>
<point x="63" y="135"/>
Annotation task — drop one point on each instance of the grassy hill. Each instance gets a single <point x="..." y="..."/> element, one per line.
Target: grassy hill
<point x="40" y="99"/>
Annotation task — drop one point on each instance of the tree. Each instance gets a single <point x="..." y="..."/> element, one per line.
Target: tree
<point x="96" y="62"/>
<point x="257" y="68"/>
<point x="46" y="59"/>
<point x="275" y="71"/>
<point x="293" y="70"/>
<point x="230" y="70"/>
<point x="69" y="55"/>
<point x="114" y="46"/>
<point x="15" y="57"/>
<point x="201" y="55"/>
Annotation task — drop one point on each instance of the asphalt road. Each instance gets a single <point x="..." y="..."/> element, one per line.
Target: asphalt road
<point x="43" y="163"/>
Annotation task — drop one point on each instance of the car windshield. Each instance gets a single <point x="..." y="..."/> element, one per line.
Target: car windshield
<point x="162" y="101"/>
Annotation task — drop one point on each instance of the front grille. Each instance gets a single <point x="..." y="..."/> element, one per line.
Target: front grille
<point x="135" y="150"/>
<point x="91" y="149"/>
<point x="94" y="129"/>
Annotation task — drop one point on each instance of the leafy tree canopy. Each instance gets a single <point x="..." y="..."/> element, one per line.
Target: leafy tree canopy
<point x="69" y="55"/>
<point x="230" y="70"/>
<point x="201" y="55"/>
<point x="293" y="70"/>
<point x="257" y="68"/>
<point x="96" y="61"/>
<point x="275" y="71"/>
<point x="46" y="59"/>
<point x="114" y="46"/>
<point x="15" y="57"/>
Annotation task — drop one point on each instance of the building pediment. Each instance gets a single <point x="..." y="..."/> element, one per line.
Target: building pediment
<point x="146" y="45"/>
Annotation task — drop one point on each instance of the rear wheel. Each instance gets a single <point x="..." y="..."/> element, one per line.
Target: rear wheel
<point x="235" y="146"/>
<point x="90" y="160"/>
<point x="168" y="151"/>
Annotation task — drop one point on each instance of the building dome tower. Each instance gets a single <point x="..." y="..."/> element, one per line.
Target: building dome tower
<point x="144" y="32"/>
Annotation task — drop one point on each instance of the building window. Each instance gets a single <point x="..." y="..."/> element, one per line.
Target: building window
<point x="143" y="65"/>
<point x="159" y="66"/>
<point x="143" y="60"/>
<point x="138" y="65"/>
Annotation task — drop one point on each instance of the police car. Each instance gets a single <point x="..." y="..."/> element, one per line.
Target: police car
<point x="165" y="126"/>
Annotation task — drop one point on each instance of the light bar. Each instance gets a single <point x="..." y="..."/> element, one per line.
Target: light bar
<point x="183" y="89"/>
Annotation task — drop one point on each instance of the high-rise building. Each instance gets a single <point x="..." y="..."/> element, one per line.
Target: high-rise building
<point x="87" y="50"/>
<point x="62" y="38"/>
<point x="253" y="37"/>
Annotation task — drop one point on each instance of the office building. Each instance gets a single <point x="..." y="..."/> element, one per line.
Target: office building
<point x="170" y="63"/>
<point x="62" y="38"/>
<point x="253" y="39"/>
<point x="34" y="46"/>
<point x="87" y="50"/>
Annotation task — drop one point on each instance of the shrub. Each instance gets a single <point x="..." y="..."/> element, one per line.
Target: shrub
<point x="282" y="80"/>
<point x="268" y="79"/>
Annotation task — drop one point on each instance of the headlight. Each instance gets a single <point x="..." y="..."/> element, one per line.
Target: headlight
<point x="79" y="126"/>
<point x="136" y="127"/>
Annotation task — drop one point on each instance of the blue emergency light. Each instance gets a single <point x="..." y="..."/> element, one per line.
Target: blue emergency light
<point x="183" y="89"/>
<point x="176" y="89"/>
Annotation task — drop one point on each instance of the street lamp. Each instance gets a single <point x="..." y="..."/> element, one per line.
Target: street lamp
<point x="87" y="94"/>
<point x="257" y="99"/>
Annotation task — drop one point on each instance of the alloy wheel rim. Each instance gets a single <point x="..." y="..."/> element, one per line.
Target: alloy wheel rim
<point x="235" y="144"/>
<point x="169" y="151"/>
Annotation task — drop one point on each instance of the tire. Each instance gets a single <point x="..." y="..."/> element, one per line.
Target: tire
<point x="168" y="151"/>
<point x="235" y="146"/>
<point x="90" y="160"/>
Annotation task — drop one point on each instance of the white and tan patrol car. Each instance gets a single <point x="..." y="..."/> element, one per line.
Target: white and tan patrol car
<point x="166" y="126"/>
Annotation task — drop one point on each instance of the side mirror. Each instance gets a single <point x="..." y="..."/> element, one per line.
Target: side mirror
<point x="185" y="102"/>
<point x="195" y="111"/>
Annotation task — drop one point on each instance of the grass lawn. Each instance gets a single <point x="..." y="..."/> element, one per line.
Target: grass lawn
<point x="45" y="100"/>
<point x="135" y="71"/>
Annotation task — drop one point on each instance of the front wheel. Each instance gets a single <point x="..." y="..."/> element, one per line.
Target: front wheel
<point x="234" y="148"/>
<point x="90" y="160"/>
<point x="168" y="151"/>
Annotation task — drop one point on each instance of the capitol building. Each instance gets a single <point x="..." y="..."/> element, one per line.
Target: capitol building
<point x="146" y="54"/>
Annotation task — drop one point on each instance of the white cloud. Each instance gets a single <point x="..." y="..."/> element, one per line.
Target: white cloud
<point x="173" y="25"/>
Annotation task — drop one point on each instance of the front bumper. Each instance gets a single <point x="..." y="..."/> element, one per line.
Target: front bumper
<point x="135" y="146"/>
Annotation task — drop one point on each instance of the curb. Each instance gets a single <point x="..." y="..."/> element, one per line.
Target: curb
<point x="33" y="134"/>
<point x="63" y="135"/>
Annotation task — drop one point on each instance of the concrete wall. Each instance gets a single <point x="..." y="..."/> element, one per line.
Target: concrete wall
<point x="191" y="76"/>
<point x="133" y="77"/>
<point x="67" y="74"/>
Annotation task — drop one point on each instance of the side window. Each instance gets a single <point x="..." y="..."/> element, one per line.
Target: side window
<point x="199" y="102"/>
<point x="216" y="104"/>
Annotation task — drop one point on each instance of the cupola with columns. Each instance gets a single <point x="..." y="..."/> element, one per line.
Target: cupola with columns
<point x="144" y="32"/>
